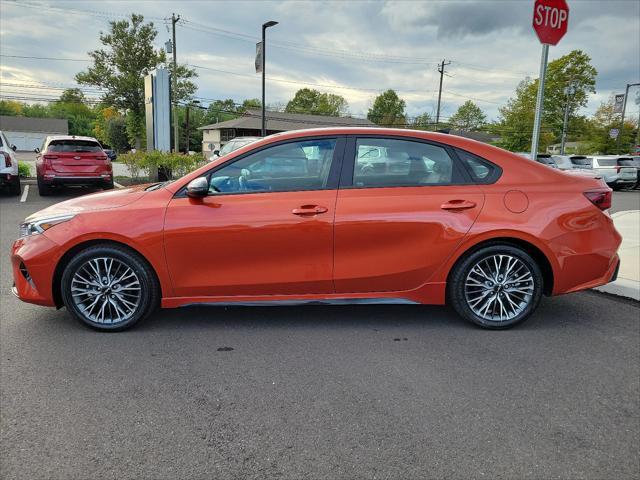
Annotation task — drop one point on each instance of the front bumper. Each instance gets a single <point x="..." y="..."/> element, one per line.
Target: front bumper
<point x="33" y="261"/>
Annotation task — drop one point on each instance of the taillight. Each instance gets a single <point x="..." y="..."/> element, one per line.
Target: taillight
<point x="600" y="198"/>
<point x="7" y="159"/>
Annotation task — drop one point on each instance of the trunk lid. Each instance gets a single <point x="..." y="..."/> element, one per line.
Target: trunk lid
<point x="78" y="157"/>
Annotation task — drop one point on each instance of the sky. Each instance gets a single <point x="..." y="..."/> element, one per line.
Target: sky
<point x="356" y="49"/>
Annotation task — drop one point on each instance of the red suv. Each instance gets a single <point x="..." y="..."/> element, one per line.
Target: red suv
<point x="72" y="160"/>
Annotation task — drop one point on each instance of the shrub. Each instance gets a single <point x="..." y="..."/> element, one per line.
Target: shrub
<point x="24" y="170"/>
<point x="176" y="164"/>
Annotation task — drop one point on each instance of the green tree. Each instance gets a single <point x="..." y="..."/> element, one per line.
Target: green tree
<point x="602" y="122"/>
<point x="10" y="108"/>
<point x="118" y="68"/>
<point x="221" y="111"/>
<point x="116" y="134"/>
<point x="388" y="109"/>
<point x="468" y="117"/>
<point x="424" y="121"/>
<point x="307" y="100"/>
<point x="251" y="103"/>
<point x="72" y="106"/>
<point x="515" y="124"/>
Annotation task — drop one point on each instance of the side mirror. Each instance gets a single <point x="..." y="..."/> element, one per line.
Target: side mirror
<point x="14" y="148"/>
<point x="216" y="153"/>
<point x="37" y="150"/>
<point x="198" y="188"/>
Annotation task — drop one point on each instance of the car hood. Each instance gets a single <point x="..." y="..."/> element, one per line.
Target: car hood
<point x="96" y="201"/>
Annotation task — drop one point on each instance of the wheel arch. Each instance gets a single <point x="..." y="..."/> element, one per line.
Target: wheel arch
<point x="74" y="250"/>
<point x="534" y="251"/>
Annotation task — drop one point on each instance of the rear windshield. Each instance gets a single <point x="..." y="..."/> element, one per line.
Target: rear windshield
<point x="547" y="161"/>
<point x="581" y="161"/>
<point x="607" y="162"/>
<point x="74" y="146"/>
<point x="626" y="162"/>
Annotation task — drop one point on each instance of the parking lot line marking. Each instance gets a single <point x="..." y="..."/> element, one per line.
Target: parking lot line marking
<point x="118" y="185"/>
<point x="25" y="193"/>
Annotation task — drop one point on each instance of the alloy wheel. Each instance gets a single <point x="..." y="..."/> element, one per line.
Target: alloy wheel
<point x="106" y="290"/>
<point x="499" y="287"/>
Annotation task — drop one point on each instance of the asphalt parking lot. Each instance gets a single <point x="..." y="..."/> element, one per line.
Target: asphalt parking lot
<point x="319" y="392"/>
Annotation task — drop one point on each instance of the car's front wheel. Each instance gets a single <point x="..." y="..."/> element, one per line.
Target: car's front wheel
<point x="497" y="286"/>
<point x="109" y="287"/>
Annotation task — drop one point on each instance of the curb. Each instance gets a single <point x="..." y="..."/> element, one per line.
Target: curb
<point x="622" y="288"/>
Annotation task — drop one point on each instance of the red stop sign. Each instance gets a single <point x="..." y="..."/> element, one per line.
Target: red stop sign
<point x="550" y="20"/>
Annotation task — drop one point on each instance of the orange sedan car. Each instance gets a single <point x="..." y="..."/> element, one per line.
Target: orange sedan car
<point x="355" y="215"/>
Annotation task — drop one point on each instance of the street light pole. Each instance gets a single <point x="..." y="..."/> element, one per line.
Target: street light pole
<point x="174" y="85"/>
<point x="266" y="25"/>
<point x="624" y="107"/>
<point x="568" y="91"/>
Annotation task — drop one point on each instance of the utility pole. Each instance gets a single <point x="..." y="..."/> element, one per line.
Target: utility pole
<point x="174" y="85"/>
<point x="441" y="70"/>
<point x="569" y="91"/>
<point x="624" y="107"/>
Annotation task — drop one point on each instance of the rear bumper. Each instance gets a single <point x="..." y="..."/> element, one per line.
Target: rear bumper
<point x="78" y="180"/>
<point x="8" y="178"/>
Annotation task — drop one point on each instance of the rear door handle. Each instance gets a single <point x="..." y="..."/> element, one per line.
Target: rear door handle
<point x="308" y="210"/>
<point x="458" y="205"/>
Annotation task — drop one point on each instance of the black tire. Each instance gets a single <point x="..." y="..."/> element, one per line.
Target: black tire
<point x="457" y="292"/>
<point x="149" y="296"/>
<point x="108" y="185"/>
<point x="14" y="188"/>
<point x="43" y="189"/>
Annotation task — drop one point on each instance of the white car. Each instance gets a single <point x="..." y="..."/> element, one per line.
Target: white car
<point x="617" y="171"/>
<point x="9" y="176"/>
<point x="231" y="145"/>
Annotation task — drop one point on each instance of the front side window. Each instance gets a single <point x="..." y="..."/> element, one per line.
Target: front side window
<point x="383" y="162"/>
<point x="292" y="166"/>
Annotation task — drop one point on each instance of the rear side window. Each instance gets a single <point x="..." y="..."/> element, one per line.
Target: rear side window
<point x="386" y="162"/>
<point x="73" y="146"/>
<point x="626" y="162"/>
<point x="607" y="162"/>
<point x="481" y="170"/>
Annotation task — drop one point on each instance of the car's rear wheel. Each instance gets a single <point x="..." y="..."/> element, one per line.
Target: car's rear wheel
<point x="44" y="190"/>
<point x="108" y="185"/>
<point x="14" y="187"/>
<point x="497" y="286"/>
<point x="109" y="287"/>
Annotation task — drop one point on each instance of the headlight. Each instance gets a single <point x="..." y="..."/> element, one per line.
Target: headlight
<point x="39" y="225"/>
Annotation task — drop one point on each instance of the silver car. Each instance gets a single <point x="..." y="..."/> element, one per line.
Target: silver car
<point x="617" y="171"/>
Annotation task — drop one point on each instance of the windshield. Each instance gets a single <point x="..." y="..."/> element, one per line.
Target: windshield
<point x="74" y="146"/>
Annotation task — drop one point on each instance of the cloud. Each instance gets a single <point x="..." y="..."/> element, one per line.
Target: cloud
<point x="368" y="46"/>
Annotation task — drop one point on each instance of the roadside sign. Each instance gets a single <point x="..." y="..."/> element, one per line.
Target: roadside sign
<point x="613" y="133"/>
<point x="550" y="20"/>
<point x="618" y="105"/>
<point x="259" y="57"/>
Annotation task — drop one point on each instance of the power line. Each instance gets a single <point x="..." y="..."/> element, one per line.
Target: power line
<point x="45" y="58"/>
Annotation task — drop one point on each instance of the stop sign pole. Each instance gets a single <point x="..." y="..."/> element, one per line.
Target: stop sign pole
<point x="550" y="20"/>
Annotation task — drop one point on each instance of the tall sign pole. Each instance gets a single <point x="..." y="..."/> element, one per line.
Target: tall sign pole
<point x="550" y="20"/>
<point x="263" y="51"/>
<point x="174" y="85"/>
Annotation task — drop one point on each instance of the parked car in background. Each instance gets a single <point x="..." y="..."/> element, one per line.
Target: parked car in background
<point x="72" y="160"/>
<point x="294" y="220"/>
<point x="636" y="163"/>
<point x="232" y="145"/>
<point x="113" y="156"/>
<point x="9" y="176"/>
<point x="575" y="165"/>
<point x="618" y="172"/>
<point x="545" y="159"/>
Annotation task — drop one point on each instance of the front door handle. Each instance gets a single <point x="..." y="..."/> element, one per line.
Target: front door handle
<point x="458" y="205"/>
<point x="308" y="210"/>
